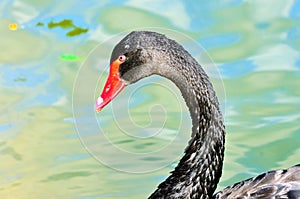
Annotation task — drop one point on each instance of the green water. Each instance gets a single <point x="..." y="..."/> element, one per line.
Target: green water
<point x="255" y="48"/>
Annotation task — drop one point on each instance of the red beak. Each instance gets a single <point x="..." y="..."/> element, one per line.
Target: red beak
<point x="113" y="86"/>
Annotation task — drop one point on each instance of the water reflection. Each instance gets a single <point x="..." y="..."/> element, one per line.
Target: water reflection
<point x="255" y="46"/>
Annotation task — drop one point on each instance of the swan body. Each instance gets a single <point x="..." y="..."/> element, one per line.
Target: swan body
<point x="143" y="53"/>
<point x="283" y="183"/>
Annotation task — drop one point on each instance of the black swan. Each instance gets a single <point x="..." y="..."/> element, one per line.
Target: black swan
<point x="143" y="53"/>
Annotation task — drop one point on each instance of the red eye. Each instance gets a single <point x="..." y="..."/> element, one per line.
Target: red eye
<point x="122" y="58"/>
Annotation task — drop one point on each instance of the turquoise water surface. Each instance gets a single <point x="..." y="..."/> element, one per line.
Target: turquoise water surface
<point x="53" y="64"/>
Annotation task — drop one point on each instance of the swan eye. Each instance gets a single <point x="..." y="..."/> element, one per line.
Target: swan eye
<point x="122" y="58"/>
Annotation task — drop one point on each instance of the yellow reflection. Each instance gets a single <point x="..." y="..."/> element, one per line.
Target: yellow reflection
<point x="13" y="26"/>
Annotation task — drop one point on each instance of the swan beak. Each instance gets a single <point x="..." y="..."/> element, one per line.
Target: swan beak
<point x="113" y="86"/>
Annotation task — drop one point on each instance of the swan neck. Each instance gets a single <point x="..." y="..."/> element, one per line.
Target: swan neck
<point x="199" y="170"/>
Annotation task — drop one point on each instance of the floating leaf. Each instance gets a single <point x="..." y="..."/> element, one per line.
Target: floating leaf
<point x="66" y="23"/>
<point x="40" y="24"/>
<point x="70" y="57"/>
<point x="76" y="31"/>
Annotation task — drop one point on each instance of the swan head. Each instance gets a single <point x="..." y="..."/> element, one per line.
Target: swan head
<point x="136" y="56"/>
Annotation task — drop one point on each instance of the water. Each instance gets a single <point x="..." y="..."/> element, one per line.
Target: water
<point x="255" y="47"/>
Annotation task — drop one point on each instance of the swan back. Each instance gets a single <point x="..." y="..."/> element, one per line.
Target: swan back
<point x="283" y="183"/>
